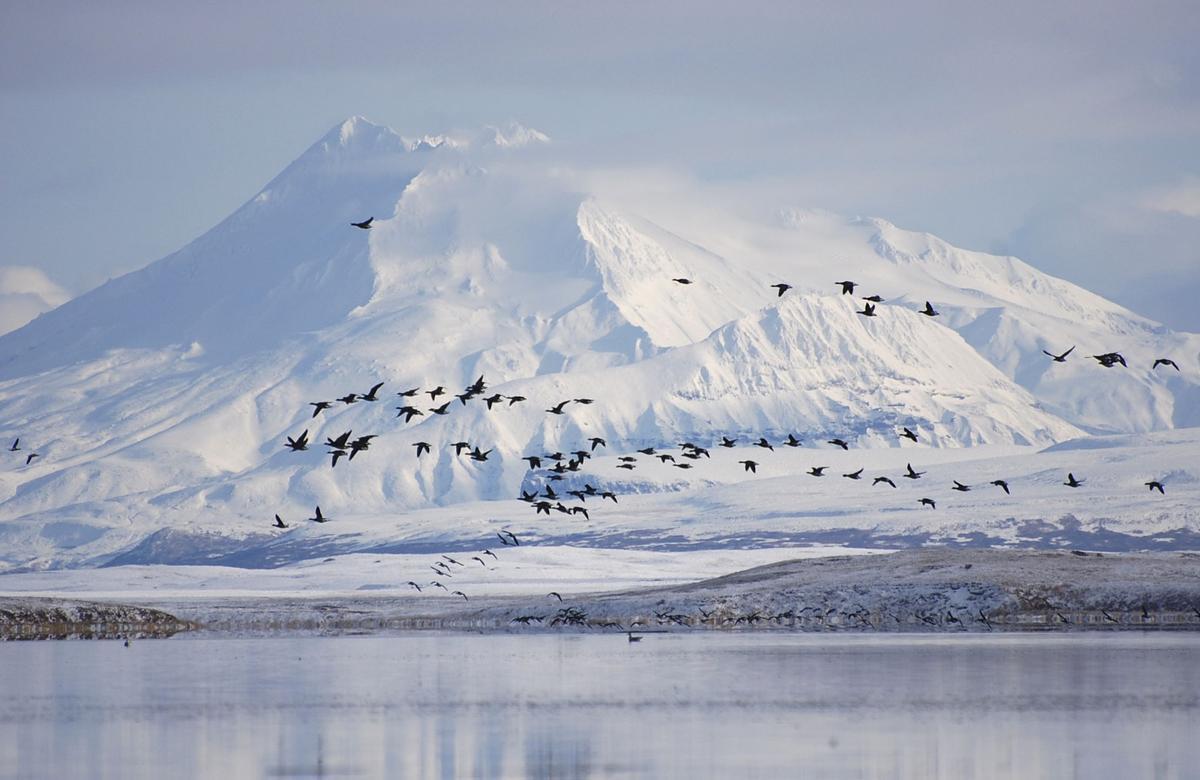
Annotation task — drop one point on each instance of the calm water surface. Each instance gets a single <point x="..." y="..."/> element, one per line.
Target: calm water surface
<point x="723" y="706"/>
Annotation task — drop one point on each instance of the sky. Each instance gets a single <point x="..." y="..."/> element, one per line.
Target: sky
<point x="1067" y="134"/>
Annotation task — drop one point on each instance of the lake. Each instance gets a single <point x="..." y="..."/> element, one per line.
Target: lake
<point x="721" y="705"/>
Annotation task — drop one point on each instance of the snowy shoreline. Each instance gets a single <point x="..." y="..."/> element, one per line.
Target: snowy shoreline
<point x="928" y="590"/>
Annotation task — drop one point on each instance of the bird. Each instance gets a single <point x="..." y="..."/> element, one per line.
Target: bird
<point x="597" y="442"/>
<point x="459" y="593"/>
<point x="422" y="447"/>
<point x="584" y="401"/>
<point x="336" y="455"/>
<point x="512" y="399"/>
<point x="534" y="461"/>
<point x="907" y="434"/>
<point x="609" y="494"/>
<point x="456" y="563"/>
<point x="847" y="287"/>
<point x="409" y="393"/>
<point x="319" y="406"/>
<point x="647" y="451"/>
<point x="1165" y="362"/>
<point x="1059" y="358"/>
<point x="910" y="474"/>
<point x="877" y="480"/>
<point x="929" y="311"/>
<point x="764" y="443"/>
<point x="1001" y="484"/>
<point x="435" y="392"/>
<point x="298" y="444"/>
<point x="960" y="487"/>
<point x="279" y="522"/>
<point x="839" y="443"/>
<point x="340" y="442"/>
<point x="443" y="409"/>
<point x="868" y="310"/>
<point x="854" y="474"/>
<point x="370" y="395"/>
<point x="479" y="456"/>
<point x="408" y="412"/>
<point x="459" y="446"/>
<point x="489" y="552"/>
<point x="350" y="398"/>
<point x="873" y="298"/>
<point x="558" y="408"/>
<point x="555" y="595"/>
<point x="1072" y="482"/>
<point x="515" y="540"/>
<point x="493" y="399"/>
<point x="817" y="471"/>
<point x="682" y="465"/>
<point x="415" y="585"/>
<point x="792" y="441"/>
<point x="15" y="445"/>
<point x="782" y="288"/>
<point x="318" y="517"/>
<point x="727" y="442"/>
<point x="437" y="584"/>
<point x="1154" y="484"/>
<point x="1110" y="359"/>
<point x="929" y="502"/>
<point x="682" y="280"/>
<point x="750" y="465"/>
<point x="550" y="492"/>
<point x="365" y="224"/>
<point x="627" y="466"/>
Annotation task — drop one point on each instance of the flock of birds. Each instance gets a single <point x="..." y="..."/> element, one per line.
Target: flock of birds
<point x="572" y="500"/>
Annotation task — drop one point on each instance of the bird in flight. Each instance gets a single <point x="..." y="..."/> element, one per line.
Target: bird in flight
<point x="298" y="444"/>
<point x="279" y="522"/>
<point x="493" y="399"/>
<point x="929" y="502"/>
<point x="750" y="465"/>
<point x="443" y="409"/>
<point x="782" y="288"/>
<point x="1059" y="358"/>
<point x="1110" y="359"/>
<point x="1002" y="485"/>
<point x="1072" y="482"/>
<point x="371" y="394"/>
<point x="960" y="487"/>
<point x="682" y="280"/>
<point x="558" y="408"/>
<point x="854" y="474"/>
<point x="512" y="399"/>
<point x="792" y="441"/>
<point x="408" y="412"/>
<point x="365" y="224"/>
<point x="336" y="454"/>
<point x="873" y="298"/>
<point x="435" y="392"/>
<point x="349" y="399"/>
<point x="340" y="442"/>
<point x="410" y="392"/>
<point x="868" y="310"/>
<point x="29" y="458"/>
<point x="534" y="461"/>
<point x="929" y="311"/>
<point x="1165" y="362"/>
<point x="817" y="471"/>
<point x="415" y="585"/>
<point x="727" y="442"/>
<point x="555" y="595"/>
<point x="597" y="442"/>
<point x="459" y="593"/>
<point x="888" y="480"/>
<point x="319" y="406"/>
<point x="1154" y="484"/>
<point x="762" y="442"/>
<point x="16" y="445"/>
<point x="912" y="474"/>
<point x="318" y="517"/>
<point x="907" y="434"/>
<point x="847" y="287"/>
<point x="839" y="443"/>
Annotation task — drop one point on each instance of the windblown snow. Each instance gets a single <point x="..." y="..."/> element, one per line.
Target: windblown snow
<point x="159" y="402"/>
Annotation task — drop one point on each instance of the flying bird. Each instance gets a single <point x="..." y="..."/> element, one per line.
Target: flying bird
<point x="422" y="447"/>
<point x="792" y="441"/>
<point x="558" y="408"/>
<point x="319" y="406"/>
<point x="298" y="444"/>
<point x="279" y="522"/>
<point x="873" y="298"/>
<point x="929" y="311"/>
<point x="415" y="585"/>
<point x="409" y="393"/>
<point x="318" y="517"/>
<point x="868" y="310"/>
<point x="727" y="442"/>
<point x="647" y="451"/>
<point x="512" y="399"/>
<point x="929" y="502"/>
<point x="627" y="466"/>
<point x="1110" y="359"/>
<point x="584" y="401"/>
<point x="443" y="409"/>
<point x="534" y="461"/>
<point x="854" y="474"/>
<point x="910" y="474"/>
<point x="351" y="398"/>
<point x="1165" y="362"/>
<point x="597" y="442"/>
<point x="370" y="395"/>
<point x="609" y="494"/>
<point x="555" y="595"/>
<point x="907" y="434"/>
<point x="340" y="442"/>
<point x="437" y="584"/>
<point x="782" y="288"/>
<point x="365" y="224"/>
<point x="839" y="443"/>
<point x="682" y="280"/>
<point x="765" y="444"/>
<point x="459" y="593"/>
<point x="817" y="471"/>
<point x="1002" y="485"/>
<point x="749" y="465"/>
<point x="493" y="399"/>
<point x="1154" y="484"/>
<point x="1072" y="482"/>
<point x="336" y="455"/>
<point x="877" y="480"/>
<point x="435" y="392"/>
<point x="1059" y="358"/>
<point x="960" y="487"/>
<point x="847" y="287"/>
<point x="16" y="445"/>
<point x="408" y="412"/>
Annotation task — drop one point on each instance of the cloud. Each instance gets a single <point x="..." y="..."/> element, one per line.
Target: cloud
<point x="25" y="293"/>
<point x="1182" y="198"/>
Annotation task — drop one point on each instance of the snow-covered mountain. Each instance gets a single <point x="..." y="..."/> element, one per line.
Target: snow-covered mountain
<point x="164" y="396"/>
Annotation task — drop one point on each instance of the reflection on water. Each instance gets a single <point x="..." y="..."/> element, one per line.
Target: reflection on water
<point x="708" y="705"/>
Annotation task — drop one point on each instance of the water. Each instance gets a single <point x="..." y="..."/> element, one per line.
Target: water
<point x="710" y="705"/>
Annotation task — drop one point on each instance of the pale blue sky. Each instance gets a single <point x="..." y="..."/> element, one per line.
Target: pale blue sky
<point x="1068" y="135"/>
